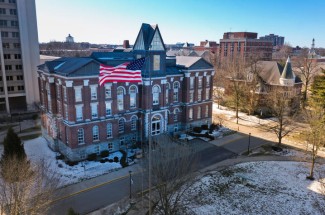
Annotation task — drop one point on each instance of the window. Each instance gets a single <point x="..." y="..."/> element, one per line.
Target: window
<point x="120" y="98"/>
<point x="79" y="115"/>
<point x="66" y="112"/>
<point x="19" y="67"/>
<point x="108" y="108"/>
<point x="9" y="78"/>
<point x="110" y="146"/>
<point x="17" y="56"/>
<point x="134" y="123"/>
<point x="122" y="141"/>
<point x="191" y="96"/>
<point x="49" y="102"/>
<point x="207" y="93"/>
<point x="59" y="108"/>
<point x="133" y="91"/>
<point x="58" y="90"/>
<point x="10" y="88"/>
<point x="65" y="94"/>
<point x="207" y="111"/>
<point x="1" y="89"/>
<point x="19" y="77"/>
<point x="199" y="95"/>
<point x="81" y="136"/>
<point x="6" y="56"/>
<point x="3" y="23"/>
<point x="95" y="133"/>
<point x="155" y="95"/>
<point x="94" y="111"/>
<point x="199" y="113"/>
<point x="167" y="92"/>
<point x="14" y="23"/>
<point x="192" y="82"/>
<point x="200" y="82"/>
<point x="156" y="62"/>
<point x="2" y="11"/>
<point x="121" y="123"/>
<point x="78" y="94"/>
<point x="190" y="114"/>
<point x="13" y="12"/>
<point x="5" y="45"/>
<point x="175" y="93"/>
<point x="175" y="128"/>
<point x="155" y="125"/>
<point x="4" y="34"/>
<point x="176" y="111"/>
<point x="108" y="92"/>
<point x="109" y="132"/>
<point x="21" y="88"/>
<point x="16" y="45"/>
<point x="15" y="34"/>
<point x="8" y="67"/>
<point x="93" y="92"/>
<point x="208" y="81"/>
<point x="97" y="150"/>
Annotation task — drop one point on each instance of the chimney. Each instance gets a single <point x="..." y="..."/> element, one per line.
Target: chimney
<point x="126" y="44"/>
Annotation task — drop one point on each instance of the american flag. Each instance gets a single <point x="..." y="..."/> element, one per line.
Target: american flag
<point x="126" y="72"/>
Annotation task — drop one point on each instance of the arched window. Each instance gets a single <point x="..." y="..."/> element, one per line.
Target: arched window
<point x="155" y="95"/>
<point x="121" y="125"/>
<point x="120" y="98"/>
<point x="199" y="112"/>
<point x="190" y="114"/>
<point x="155" y="125"/>
<point x="133" y="96"/>
<point x="109" y="132"/>
<point x="176" y="111"/>
<point x="81" y="136"/>
<point x="167" y="92"/>
<point x="175" y="89"/>
<point x="133" y="123"/>
<point x="95" y="133"/>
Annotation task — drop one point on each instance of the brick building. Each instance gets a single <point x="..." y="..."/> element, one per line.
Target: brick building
<point x="244" y="44"/>
<point x="80" y="117"/>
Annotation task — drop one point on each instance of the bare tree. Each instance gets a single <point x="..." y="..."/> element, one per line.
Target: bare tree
<point x="26" y="188"/>
<point x="280" y="106"/>
<point x="315" y="135"/>
<point x="172" y="173"/>
<point x="306" y="69"/>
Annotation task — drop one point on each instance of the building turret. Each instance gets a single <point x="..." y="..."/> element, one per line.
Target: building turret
<point x="287" y="77"/>
<point x="69" y="39"/>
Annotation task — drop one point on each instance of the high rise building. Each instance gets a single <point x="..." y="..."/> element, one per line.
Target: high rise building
<point x="276" y="40"/>
<point x="244" y="44"/>
<point x="19" y="56"/>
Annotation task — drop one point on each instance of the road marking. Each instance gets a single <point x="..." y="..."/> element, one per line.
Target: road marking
<point x="90" y="188"/>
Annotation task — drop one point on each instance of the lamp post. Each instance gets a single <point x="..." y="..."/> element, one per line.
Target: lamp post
<point x="249" y="142"/>
<point x="130" y="183"/>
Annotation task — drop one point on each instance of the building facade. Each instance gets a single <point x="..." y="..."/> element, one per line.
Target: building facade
<point x="244" y="44"/>
<point x="80" y="117"/>
<point x="19" y="56"/>
<point x="275" y="39"/>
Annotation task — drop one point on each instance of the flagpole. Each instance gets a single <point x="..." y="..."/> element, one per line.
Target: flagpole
<point x="150" y="140"/>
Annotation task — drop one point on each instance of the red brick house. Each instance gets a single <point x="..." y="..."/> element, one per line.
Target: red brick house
<point x="80" y="117"/>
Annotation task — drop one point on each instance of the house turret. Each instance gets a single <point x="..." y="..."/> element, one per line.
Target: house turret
<point x="287" y="77"/>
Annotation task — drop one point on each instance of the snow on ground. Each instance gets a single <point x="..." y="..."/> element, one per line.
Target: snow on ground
<point x="258" y="188"/>
<point x="243" y="117"/>
<point x="37" y="149"/>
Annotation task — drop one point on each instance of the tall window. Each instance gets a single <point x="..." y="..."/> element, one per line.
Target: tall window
<point x="134" y="123"/>
<point x="167" y="92"/>
<point x="94" y="111"/>
<point x="108" y="106"/>
<point x="155" y="95"/>
<point x="155" y="125"/>
<point x="207" y="111"/>
<point x="93" y="92"/>
<point x="65" y="97"/>
<point x="121" y="124"/>
<point x="190" y="114"/>
<point x="95" y="133"/>
<point x="109" y="132"/>
<point x="66" y="112"/>
<point x="191" y="96"/>
<point x="192" y="82"/>
<point x="79" y="115"/>
<point x="77" y="92"/>
<point x="200" y="82"/>
<point x="156" y="62"/>
<point x="108" y="92"/>
<point x="175" y="93"/>
<point x="207" y="93"/>
<point x="58" y="88"/>
<point x="199" y="95"/>
<point x="199" y="112"/>
<point x="208" y="81"/>
<point x="110" y="146"/>
<point x="81" y="136"/>
<point x="120" y="98"/>
<point x="176" y="111"/>
<point x="133" y="96"/>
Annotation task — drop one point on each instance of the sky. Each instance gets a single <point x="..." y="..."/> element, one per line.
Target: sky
<point x="112" y="21"/>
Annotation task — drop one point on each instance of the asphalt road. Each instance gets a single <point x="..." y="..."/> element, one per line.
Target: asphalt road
<point x="112" y="191"/>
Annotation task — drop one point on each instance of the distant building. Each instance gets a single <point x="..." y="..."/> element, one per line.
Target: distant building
<point x="79" y="117"/>
<point x="69" y="39"/>
<point x="275" y="39"/>
<point x="244" y="44"/>
<point x="19" y="56"/>
<point x="206" y="45"/>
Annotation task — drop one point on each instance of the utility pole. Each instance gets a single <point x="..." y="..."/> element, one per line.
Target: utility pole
<point x="249" y="142"/>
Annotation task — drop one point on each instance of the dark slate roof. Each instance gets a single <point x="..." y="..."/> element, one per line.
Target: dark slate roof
<point x="287" y="71"/>
<point x="112" y="58"/>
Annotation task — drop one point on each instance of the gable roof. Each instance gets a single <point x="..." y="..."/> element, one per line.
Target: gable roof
<point x="191" y="62"/>
<point x="145" y="37"/>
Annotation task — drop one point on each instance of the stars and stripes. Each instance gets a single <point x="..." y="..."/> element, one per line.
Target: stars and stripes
<point x="126" y="72"/>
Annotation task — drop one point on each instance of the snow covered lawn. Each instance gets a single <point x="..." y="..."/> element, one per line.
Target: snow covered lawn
<point x="37" y="149"/>
<point x="258" y="188"/>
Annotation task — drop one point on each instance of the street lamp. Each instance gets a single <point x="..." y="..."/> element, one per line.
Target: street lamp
<point x="130" y="183"/>
<point x="249" y="142"/>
